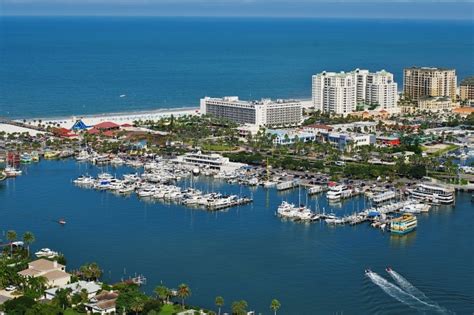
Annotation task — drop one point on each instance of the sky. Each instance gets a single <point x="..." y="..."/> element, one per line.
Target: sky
<point x="398" y="9"/>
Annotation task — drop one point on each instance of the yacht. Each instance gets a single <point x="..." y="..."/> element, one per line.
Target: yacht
<point x="415" y="207"/>
<point x="83" y="156"/>
<point x="10" y="171"/>
<point x="338" y="192"/>
<point x="104" y="175"/>
<point x="131" y="178"/>
<point x="434" y="193"/>
<point x="46" y="252"/>
<point x="117" y="161"/>
<point x="84" y="180"/>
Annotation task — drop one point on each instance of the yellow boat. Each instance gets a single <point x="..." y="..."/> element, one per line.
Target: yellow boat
<point x="404" y="224"/>
<point x="51" y="154"/>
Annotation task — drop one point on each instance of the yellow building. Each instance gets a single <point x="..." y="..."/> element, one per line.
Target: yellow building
<point x="419" y="82"/>
<point x="436" y="104"/>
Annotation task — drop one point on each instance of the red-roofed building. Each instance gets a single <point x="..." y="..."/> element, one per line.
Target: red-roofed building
<point x="126" y="125"/>
<point x="107" y="125"/>
<point x="93" y="131"/>
<point x="63" y="133"/>
<point x="388" y="141"/>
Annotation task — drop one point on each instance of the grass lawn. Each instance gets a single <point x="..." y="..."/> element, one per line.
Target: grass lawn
<point x="218" y="147"/>
<point x="439" y="149"/>
<point x="169" y="309"/>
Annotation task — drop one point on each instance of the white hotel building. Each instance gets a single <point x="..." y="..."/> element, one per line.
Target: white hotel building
<point x="340" y="93"/>
<point x="267" y="113"/>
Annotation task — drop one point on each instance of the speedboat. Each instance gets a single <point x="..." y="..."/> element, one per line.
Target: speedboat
<point x="388" y="269"/>
<point x="367" y="271"/>
<point x="46" y="252"/>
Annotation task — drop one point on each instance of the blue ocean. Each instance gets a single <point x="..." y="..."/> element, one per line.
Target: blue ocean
<point x="61" y="66"/>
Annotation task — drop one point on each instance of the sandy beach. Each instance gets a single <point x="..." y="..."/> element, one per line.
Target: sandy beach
<point x="119" y="118"/>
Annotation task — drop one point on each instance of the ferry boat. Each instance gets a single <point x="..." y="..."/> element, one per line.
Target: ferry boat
<point x="433" y="193"/>
<point x="404" y="224"/>
<point x="338" y="192"/>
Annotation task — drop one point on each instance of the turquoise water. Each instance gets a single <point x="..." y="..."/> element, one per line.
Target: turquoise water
<point x="246" y="252"/>
<point x="62" y="66"/>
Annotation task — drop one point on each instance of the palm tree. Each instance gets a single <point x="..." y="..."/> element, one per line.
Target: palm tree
<point x="162" y="292"/>
<point x="219" y="303"/>
<point x="184" y="292"/>
<point x="11" y="236"/>
<point x="275" y="305"/>
<point x="28" y="238"/>
<point x="239" y="307"/>
<point x="137" y="304"/>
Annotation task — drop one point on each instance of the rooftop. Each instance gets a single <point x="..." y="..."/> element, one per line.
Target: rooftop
<point x="44" y="265"/>
<point x="468" y="81"/>
<point x="429" y="69"/>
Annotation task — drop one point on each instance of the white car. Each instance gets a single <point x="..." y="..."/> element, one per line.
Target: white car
<point x="10" y="288"/>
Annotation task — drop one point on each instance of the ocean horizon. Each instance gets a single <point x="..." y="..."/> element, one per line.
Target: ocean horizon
<point x="65" y="66"/>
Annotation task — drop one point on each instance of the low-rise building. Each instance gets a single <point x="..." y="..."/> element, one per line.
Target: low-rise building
<point x="208" y="161"/>
<point x="54" y="272"/>
<point x="389" y="141"/>
<point x="344" y="141"/>
<point x="318" y="128"/>
<point x="358" y="126"/>
<point x="103" y="303"/>
<point x="436" y="103"/>
<point x="286" y="137"/>
<point x="91" y="287"/>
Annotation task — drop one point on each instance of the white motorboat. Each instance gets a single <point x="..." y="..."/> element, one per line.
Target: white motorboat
<point x="338" y="192"/>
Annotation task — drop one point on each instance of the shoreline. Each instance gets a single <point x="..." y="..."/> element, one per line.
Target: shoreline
<point x="118" y="117"/>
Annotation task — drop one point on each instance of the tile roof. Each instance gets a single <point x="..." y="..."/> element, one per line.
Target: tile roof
<point x="44" y="265"/>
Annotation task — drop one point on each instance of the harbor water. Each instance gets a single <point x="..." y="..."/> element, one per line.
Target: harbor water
<point x="247" y="252"/>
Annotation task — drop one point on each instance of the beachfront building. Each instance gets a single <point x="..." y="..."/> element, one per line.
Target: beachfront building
<point x="340" y="93"/>
<point x="267" y="113"/>
<point x="287" y="137"/>
<point x="208" y="161"/>
<point x="419" y="82"/>
<point x="55" y="273"/>
<point x="466" y="90"/>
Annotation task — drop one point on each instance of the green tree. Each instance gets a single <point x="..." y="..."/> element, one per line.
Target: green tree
<point x="137" y="304"/>
<point x="275" y="305"/>
<point x="219" y="303"/>
<point x="162" y="292"/>
<point x="184" y="292"/>
<point x="28" y="239"/>
<point x="90" y="271"/>
<point x="11" y="236"/>
<point x="239" y="307"/>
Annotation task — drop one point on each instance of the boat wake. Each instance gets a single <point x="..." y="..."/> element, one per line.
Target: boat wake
<point x="402" y="296"/>
<point x="411" y="289"/>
